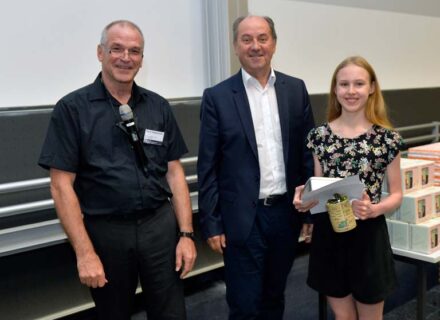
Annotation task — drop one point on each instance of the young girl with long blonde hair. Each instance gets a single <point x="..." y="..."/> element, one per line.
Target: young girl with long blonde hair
<point x="355" y="269"/>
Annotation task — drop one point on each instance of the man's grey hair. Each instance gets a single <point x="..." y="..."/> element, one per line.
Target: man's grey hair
<point x="240" y="19"/>
<point x="104" y="34"/>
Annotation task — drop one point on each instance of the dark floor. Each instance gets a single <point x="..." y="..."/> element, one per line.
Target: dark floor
<point x="407" y="311"/>
<point x="205" y="295"/>
<point x="302" y="302"/>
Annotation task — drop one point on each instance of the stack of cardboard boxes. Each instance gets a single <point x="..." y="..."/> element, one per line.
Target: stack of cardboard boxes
<point x="428" y="152"/>
<point x="416" y="224"/>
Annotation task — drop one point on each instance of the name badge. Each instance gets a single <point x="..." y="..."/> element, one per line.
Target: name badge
<point x="153" y="137"/>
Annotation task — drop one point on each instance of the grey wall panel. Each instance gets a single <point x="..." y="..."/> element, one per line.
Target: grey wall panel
<point x="406" y="107"/>
<point x="23" y="132"/>
<point x="187" y="113"/>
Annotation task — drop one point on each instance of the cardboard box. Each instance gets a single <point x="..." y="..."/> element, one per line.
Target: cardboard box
<point x="400" y="234"/>
<point x="417" y="206"/>
<point x="394" y="215"/>
<point x="427" y="174"/>
<point x="436" y="202"/>
<point x="428" y="152"/>
<point x="416" y="174"/>
<point x="425" y="236"/>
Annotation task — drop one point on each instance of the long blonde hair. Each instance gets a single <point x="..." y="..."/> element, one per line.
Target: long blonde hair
<point x="375" y="111"/>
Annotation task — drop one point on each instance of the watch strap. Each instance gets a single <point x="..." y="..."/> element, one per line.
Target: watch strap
<point x="186" y="234"/>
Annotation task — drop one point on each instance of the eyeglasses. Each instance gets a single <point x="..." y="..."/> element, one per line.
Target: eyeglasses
<point x="119" y="52"/>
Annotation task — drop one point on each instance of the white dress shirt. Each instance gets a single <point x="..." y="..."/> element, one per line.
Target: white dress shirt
<point x="266" y="120"/>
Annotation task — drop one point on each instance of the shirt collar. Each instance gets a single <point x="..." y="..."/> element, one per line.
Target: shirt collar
<point x="250" y="80"/>
<point x="99" y="90"/>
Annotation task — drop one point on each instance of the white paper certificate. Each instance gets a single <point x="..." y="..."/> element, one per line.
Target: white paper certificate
<point x="351" y="187"/>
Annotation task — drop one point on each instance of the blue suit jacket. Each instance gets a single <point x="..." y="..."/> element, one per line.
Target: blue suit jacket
<point x="228" y="168"/>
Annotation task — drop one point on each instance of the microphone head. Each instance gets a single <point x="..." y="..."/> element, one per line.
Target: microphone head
<point x="125" y="112"/>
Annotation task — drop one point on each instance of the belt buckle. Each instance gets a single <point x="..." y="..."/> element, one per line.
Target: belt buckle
<point x="267" y="201"/>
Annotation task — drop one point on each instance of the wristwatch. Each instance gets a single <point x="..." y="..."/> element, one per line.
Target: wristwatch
<point x="186" y="234"/>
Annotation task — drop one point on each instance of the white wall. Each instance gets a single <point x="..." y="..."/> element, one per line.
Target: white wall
<point x="49" y="46"/>
<point x="313" y="38"/>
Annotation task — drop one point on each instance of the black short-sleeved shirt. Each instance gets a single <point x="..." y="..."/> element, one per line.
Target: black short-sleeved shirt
<point x="83" y="138"/>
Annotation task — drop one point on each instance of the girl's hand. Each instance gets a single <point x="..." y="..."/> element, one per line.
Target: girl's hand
<point x="306" y="232"/>
<point x="363" y="209"/>
<point x="299" y="204"/>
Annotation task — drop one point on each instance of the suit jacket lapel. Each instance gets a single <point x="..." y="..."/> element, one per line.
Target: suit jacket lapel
<point x="283" y="110"/>
<point x="244" y="111"/>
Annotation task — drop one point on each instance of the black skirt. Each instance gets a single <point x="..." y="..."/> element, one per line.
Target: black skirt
<point x="358" y="262"/>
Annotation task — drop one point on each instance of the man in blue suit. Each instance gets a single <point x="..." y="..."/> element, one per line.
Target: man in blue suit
<point x="252" y="155"/>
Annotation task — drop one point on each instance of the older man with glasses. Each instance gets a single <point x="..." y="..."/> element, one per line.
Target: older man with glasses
<point x="113" y="152"/>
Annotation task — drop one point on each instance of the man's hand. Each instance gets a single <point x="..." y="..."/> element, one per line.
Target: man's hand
<point x="217" y="243"/>
<point x="185" y="256"/>
<point x="90" y="271"/>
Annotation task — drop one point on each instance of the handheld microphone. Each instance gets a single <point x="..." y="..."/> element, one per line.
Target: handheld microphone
<point x="130" y="126"/>
<point x="128" y="121"/>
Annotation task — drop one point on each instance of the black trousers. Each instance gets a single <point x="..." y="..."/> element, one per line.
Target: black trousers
<point x="137" y="248"/>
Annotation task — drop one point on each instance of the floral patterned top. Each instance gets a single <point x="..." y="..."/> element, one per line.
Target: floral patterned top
<point x="368" y="155"/>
